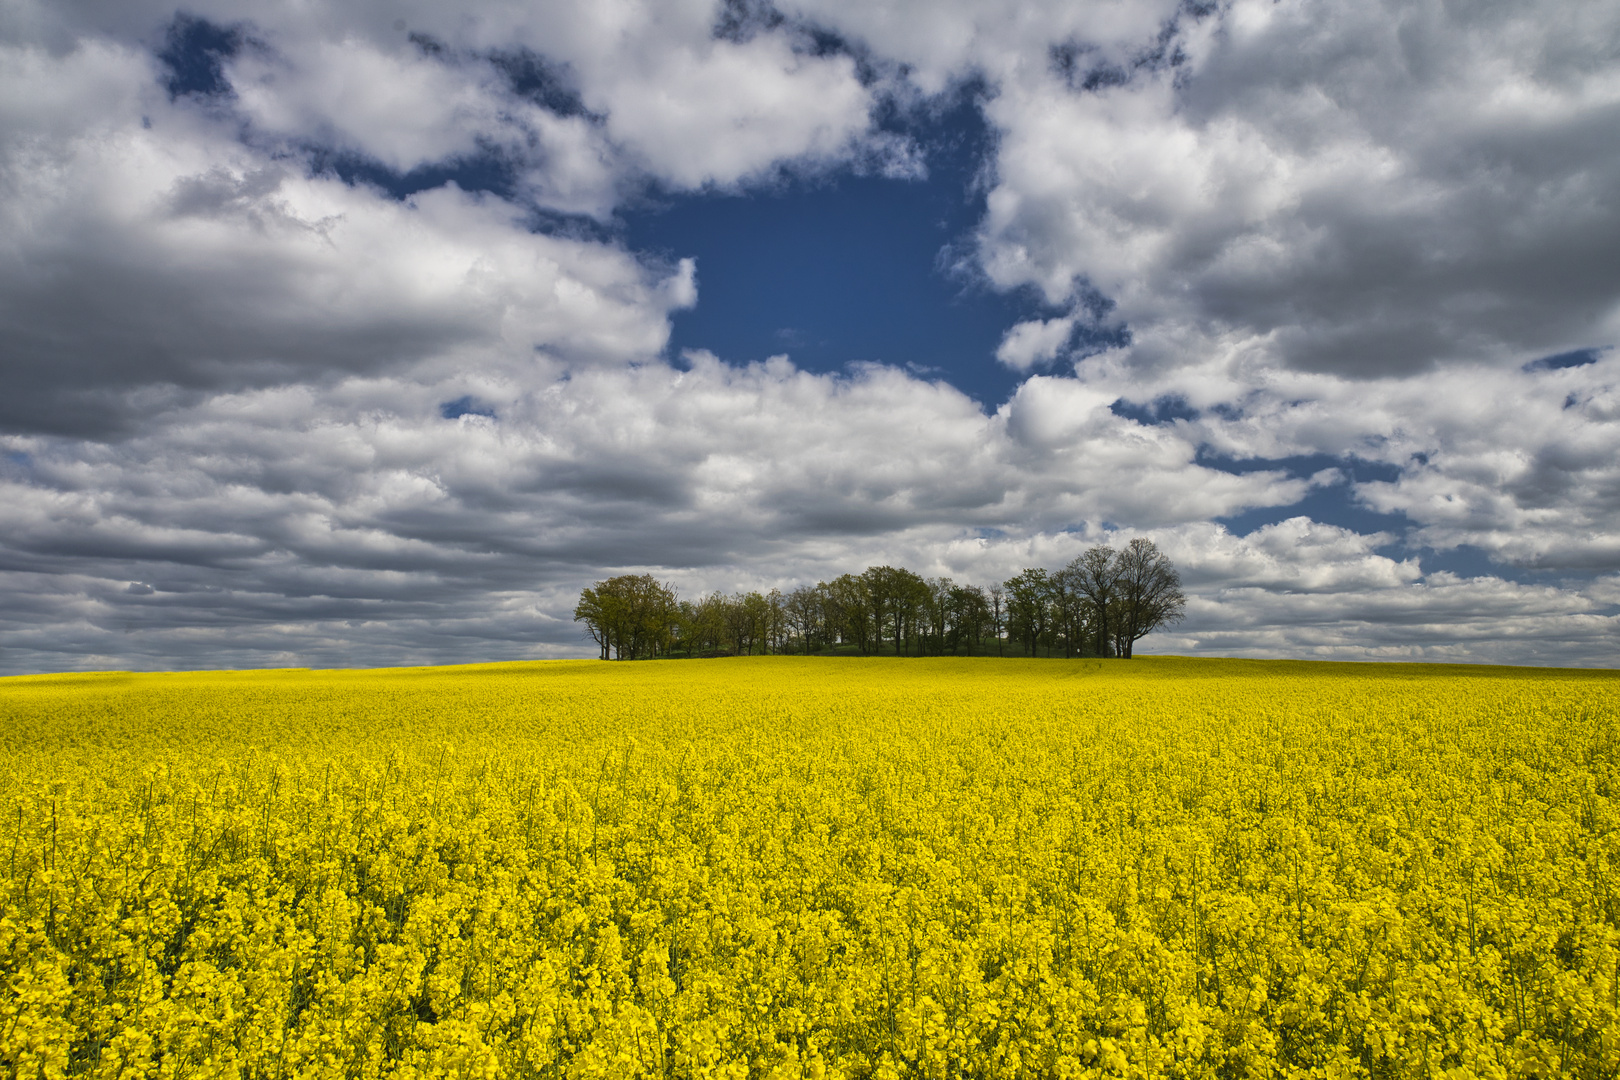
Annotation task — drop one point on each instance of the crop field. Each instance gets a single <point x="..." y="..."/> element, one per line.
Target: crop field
<point x="782" y="867"/>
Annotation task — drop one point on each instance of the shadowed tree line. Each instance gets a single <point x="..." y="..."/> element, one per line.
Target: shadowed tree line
<point x="1100" y="604"/>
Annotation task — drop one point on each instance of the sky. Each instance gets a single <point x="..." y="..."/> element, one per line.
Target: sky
<point x="353" y="334"/>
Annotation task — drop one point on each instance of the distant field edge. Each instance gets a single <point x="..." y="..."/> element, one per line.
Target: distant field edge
<point x="1156" y="664"/>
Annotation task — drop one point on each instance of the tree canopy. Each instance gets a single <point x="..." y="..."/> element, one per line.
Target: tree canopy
<point x="1099" y="605"/>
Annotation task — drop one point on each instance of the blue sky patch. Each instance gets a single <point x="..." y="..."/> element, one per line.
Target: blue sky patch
<point x="1161" y="410"/>
<point x="1334" y="504"/>
<point x="195" y="50"/>
<point x="465" y="406"/>
<point x="848" y="270"/>
<point x="1571" y="359"/>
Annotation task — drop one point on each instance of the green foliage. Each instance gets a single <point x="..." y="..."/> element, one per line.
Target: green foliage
<point x="1100" y="604"/>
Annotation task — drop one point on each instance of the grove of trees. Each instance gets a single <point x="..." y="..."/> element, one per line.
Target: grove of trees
<point x="1100" y="604"/>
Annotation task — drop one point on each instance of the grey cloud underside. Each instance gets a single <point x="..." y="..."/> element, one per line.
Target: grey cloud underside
<point x="154" y="341"/>
<point x="257" y="413"/>
<point x="1355" y="189"/>
<point x="426" y="555"/>
<point x="1382" y="295"/>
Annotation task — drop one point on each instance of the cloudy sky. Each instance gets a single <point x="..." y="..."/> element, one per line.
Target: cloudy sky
<point x="349" y="333"/>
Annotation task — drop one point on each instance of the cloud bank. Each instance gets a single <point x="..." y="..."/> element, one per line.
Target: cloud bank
<point x="322" y="346"/>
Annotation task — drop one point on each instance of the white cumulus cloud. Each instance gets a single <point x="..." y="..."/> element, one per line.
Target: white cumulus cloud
<point x="259" y="408"/>
<point x="1033" y="342"/>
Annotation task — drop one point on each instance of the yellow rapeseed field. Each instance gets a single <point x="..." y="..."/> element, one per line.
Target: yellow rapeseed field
<point x="812" y="867"/>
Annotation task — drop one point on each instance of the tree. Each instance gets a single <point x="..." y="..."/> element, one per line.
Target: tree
<point x="911" y="600"/>
<point x="966" y="611"/>
<point x="935" y="614"/>
<point x="748" y="623"/>
<point x="600" y="615"/>
<point x="630" y="617"/>
<point x="998" y="616"/>
<point x="758" y="609"/>
<point x="848" y="608"/>
<point x="1147" y="594"/>
<point x="1069" y="609"/>
<point x="799" y="613"/>
<point x="892" y="601"/>
<point x="1103" y="601"/>
<point x="1029" y="607"/>
<point x="703" y="625"/>
<point x="1095" y="576"/>
<point x="776" y="624"/>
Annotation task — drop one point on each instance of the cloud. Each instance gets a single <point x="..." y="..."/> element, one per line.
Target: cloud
<point x="1443" y="619"/>
<point x="294" y="511"/>
<point x="146" y="256"/>
<point x="720" y="112"/>
<point x="358" y="524"/>
<point x="759" y="455"/>
<point x="1307" y="590"/>
<point x="403" y="108"/>
<point x="1325" y="187"/>
<point x="1517" y="463"/>
<point x="412" y="538"/>
<point x="943" y="41"/>
<point x="1034" y="342"/>
<point x="631" y="89"/>
<point x="261" y="407"/>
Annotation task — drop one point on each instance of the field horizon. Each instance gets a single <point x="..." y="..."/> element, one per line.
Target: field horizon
<point x="1088" y="663"/>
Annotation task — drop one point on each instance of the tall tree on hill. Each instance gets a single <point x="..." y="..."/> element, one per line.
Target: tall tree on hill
<point x="776" y="621"/>
<point x="748" y="623"/>
<point x="944" y="615"/>
<point x="1069" y="609"/>
<point x="849" y="610"/>
<point x="758" y="607"/>
<point x="703" y="625"/>
<point x="688" y="637"/>
<point x="968" y="611"/>
<point x="1095" y="575"/>
<point x="912" y="596"/>
<point x="998" y="616"/>
<point x="1148" y="594"/>
<point x="600" y="615"/>
<point x="893" y="595"/>
<point x="630" y="617"/>
<point x="799" y="615"/>
<point x="1028" y="607"/>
